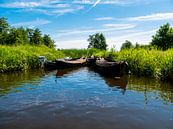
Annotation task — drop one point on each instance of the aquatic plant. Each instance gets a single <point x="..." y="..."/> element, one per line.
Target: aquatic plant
<point x="15" y="58"/>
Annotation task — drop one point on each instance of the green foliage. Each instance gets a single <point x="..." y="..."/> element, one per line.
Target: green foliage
<point x="145" y="61"/>
<point x="21" y="36"/>
<point x="48" y="41"/>
<point x="127" y="45"/>
<point x="149" y="62"/>
<point x="36" y="37"/>
<point x="4" y="26"/>
<point x="97" y="41"/>
<point x="163" y="39"/>
<point x="77" y="53"/>
<point x="17" y="36"/>
<point x="14" y="58"/>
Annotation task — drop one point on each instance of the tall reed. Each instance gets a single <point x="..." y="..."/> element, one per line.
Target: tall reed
<point x="14" y="58"/>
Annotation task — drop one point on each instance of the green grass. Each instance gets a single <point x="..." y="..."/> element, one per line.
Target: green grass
<point x="77" y="53"/>
<point x="142" y="61"/>
<point x="145" y="62"/>
<point x="15" y="58"/>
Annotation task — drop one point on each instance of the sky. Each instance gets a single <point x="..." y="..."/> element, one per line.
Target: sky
<point x="70" y="22"/>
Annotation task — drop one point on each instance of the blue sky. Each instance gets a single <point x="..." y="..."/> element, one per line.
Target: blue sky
<point x="70" y="22"/>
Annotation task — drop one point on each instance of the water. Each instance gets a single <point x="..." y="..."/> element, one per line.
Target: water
<point x="83" y="99"/>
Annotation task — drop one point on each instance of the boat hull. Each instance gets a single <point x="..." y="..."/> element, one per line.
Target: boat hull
<point x="91" y="61"/>
<point x="63" y="64"/>
<point x="117" y="68"/>
<point x="50" y="65"/>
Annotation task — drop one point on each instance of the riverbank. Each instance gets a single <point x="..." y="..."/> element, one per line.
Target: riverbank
<point x="142" y="61"/>
<point x="17" y="58"/>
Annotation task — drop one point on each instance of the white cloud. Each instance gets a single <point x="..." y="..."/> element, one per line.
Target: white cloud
<point x="74" y="43"/>
<point x="96" y="2"/>
<point x="20" y="5"/>
<point x="104" y="18"/>
<point x="142" y="37"/>
<point x="37" y="22"/>
<point x="67" y="10"/>
<point x="48" y="7"/>
<point x="61" y="6"/>
<point x="120" y="26"/>
<point x="152" y="17"/>
<point x="106" y="28"/>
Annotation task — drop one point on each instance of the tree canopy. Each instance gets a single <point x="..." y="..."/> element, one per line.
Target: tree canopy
<point x="163" y="39"/>
<point x="97" y="41"/>
<point x="127" y="45"/>
<point x="4" y="26"/>
<point x="48" y="41"/>
<point x="16" y="36"/>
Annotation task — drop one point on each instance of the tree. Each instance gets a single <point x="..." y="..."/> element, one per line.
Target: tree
<point x="137" y="45"/>
<point x="48" y="41"/>
<point x="97" y="41"/>
<point x="4" y="26"/>
<point x="30" y="34"/>
<point x="163" y="39"/>
<point x="36" y="38"/>
<point x="17" y="36"/>
<point x="126" y="45"/>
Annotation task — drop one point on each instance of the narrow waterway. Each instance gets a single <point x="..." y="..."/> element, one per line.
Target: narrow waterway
<point x="83" y="99"/>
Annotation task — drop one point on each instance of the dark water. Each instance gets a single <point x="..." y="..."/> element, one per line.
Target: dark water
<point x="83" y="99"/>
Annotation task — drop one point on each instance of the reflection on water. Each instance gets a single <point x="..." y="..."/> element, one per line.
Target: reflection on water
<point x="148" y="86"/>
<point x="81" y="98"/>
<point x="64" y="72"/>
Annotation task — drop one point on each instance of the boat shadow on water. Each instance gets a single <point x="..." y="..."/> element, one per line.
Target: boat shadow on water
<point x="64" y="72"/>
<point x="114" y="83"/>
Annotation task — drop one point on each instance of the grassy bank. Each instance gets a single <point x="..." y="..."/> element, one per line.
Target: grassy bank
<point x="15" y="58"/>
<point x="142" y="62"/>
<point x="145" y="62"/>
<point x="77" y="53"/>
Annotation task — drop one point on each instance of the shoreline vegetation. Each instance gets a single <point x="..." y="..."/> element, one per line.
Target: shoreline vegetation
<point x="23" y="57"/>
<point x="21" y="47"/>
<point x="142" y="62"/>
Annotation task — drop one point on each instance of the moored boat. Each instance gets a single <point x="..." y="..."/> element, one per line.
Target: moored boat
<point x="50" y="65"/>
<point x="112" y="68"/>
<point x="64" y="63"/>
<point x="91" y="61"/>
<point x="70" y="63"/>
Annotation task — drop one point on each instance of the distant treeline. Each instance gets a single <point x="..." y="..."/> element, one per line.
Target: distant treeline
<point x="21" y="36"/>
<point x="162" y="40"/>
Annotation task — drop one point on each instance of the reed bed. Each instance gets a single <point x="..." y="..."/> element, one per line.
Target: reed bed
<point x="142" y="61"/>
<point x="77" y="53"/>
<point x="16" y="58"/>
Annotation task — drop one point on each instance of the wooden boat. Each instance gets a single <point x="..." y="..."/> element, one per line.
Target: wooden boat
<point x="112" y="68"/>
<point x="91" y="61"/>
<point x="50" y="65"/>
<point x="64" y="63"/>
<point x="70" y="63"/>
